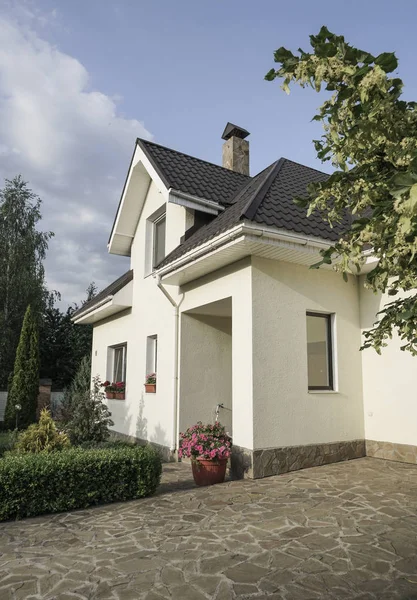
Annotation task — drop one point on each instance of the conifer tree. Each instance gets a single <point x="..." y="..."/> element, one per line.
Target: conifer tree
<point x="24" y="386"/>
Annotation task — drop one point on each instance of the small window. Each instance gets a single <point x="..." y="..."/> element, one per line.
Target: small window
<point x="159" y="240"/>
<point x="119" y="363"/>
<point x="319" y="351"/>
<point x="151" y="354"/>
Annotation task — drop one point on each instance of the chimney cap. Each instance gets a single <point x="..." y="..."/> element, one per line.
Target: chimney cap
<point x="234" y="131"/>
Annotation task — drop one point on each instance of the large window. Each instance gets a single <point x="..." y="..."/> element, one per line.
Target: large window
<point x="159" y="240"/>
<point x="319" y="351"/>
<point x="119" y="363"/>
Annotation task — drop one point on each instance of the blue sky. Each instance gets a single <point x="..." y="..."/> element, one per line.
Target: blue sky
<point x="80" y="80"/>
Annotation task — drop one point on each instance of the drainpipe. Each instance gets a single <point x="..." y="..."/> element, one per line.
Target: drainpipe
<point x="176" y="361"/>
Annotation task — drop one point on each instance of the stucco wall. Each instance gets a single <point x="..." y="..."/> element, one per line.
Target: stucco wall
<point x="206" y="374"/>
<point x="233" y="282"/>
<point x="146" y="416"/>
<point x="285" y="412"/>
<point x="389" y="383"/>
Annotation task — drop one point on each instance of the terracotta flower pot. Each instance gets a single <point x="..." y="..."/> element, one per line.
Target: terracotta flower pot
<point x="208" y="472"/>
<point x="119" y="395"/>
<point x="150" y="388"/>
<point x="110" y="395"/>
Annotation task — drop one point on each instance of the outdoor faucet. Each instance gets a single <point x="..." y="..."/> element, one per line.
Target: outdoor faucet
<point x="217" y="411"/>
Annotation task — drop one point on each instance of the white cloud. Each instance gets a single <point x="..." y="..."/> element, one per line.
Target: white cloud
<point x="72" y="146"/>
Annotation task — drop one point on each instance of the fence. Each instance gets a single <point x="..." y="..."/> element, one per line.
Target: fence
<point x="56" y="399"/>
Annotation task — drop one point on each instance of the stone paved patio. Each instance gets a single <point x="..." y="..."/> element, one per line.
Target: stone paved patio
<point x="347" y="530"/>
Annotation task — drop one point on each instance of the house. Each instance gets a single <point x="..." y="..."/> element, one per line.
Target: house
<point x="221" y="304"/>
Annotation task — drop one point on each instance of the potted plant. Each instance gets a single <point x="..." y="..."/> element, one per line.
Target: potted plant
<point x="110" y="389"/>
<point x="209" y="447"/>
<point x="119" y="393"/>
<point x="150" y="383"/>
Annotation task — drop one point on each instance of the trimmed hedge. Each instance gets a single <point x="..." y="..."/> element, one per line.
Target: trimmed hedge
<point x="34" y="484"/>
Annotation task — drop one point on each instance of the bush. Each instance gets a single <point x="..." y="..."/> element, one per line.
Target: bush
<point x="42" y="436"/>
<point x="34" y="484"/>
<point x="7" y="441"/>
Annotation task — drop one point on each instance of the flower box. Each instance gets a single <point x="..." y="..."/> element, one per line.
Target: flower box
<point x="119" y="396"/>
<point x="110" y="395"/>
<point x="150" y="388"/>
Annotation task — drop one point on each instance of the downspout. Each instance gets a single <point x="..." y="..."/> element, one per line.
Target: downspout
<point x="176" y="362"/>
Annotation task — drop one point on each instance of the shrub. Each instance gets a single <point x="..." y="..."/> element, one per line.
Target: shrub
<point x="7" y="441"/>
<point x="42" y="436"/>
<point x="79" y="388"/>
<point x="91" y="418"/>
<point x="34" y="484"/>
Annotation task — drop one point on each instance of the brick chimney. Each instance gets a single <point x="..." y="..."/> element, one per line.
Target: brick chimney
<point x="236" y="149"/>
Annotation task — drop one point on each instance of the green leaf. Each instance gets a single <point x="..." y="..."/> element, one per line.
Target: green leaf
<point x="387" y="61"/>
<point x="282" y="54"/>
<point x="270" y="76"/>
<point x="345" y="276"/>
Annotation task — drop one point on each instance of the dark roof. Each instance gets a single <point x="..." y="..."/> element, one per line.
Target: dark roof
<point x="110" y="290"/>
<point x="268" y="199"/>
<point x="193" y="175"/>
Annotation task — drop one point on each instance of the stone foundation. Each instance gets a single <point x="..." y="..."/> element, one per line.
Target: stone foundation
<point x="274" y="461"/>
<point x="167" y="455"/>
<point x="392" y="451"/>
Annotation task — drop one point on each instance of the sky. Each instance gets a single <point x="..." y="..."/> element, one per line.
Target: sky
<point x="80" y="80"/>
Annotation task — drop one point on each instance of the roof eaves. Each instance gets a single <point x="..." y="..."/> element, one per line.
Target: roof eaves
<point x="123" y="191"/>
<point x="254" y="202"/>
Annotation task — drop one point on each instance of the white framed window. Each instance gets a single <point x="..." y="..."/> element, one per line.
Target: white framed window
<point x="158" y="240"/>
<point x="320" y="356"/>
<point x="151" y="354"/>
<point x="116" y="363"/>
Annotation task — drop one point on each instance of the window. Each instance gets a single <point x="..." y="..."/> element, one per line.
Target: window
<point x="159" y="240"/>
<point x="319" y="351"/>
<point x="151" y="354"/>
<point x="119" y="363"/>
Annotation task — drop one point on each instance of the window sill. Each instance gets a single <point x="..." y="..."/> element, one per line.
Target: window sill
<point x="323" y="392"/>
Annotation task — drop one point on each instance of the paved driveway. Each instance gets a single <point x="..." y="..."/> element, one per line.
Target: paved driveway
<point x="347" y="530"/>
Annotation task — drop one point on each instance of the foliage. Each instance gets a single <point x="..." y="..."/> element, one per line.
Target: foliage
<point x="24" y="386"/>
<point x="34" y="484"/>
<point x="370" y="136"/>
<point x="63" y="344"/>
<point x="78" y="390"/>
<point x="205" y="441"/>
<point x="91" y="418"/>
<point x="22" y="252"/>
<point x="42" y="436"/>
<point x="151" y="378"/>
<point x="7" y="441"/>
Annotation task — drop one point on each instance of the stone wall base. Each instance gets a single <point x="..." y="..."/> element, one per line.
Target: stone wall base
<point x="167" y="455"/>
<point x="274" y="461"/>
<point x="392" y="451"/>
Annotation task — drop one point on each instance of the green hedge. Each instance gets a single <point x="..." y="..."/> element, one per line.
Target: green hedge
<point x="34" y="484"/>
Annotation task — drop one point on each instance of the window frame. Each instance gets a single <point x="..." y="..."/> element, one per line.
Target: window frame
<point x="124" y="361"/>
<point x="155" y="222"/>
<point x="151" y="354"/>
<point x="330" y="361"/>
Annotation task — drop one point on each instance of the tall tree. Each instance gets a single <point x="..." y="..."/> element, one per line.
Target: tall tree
<point x="62" y="343"/>
<point x="24" y="386"/>
<point x="22" y="252"/>
<point x="370" y="136"/>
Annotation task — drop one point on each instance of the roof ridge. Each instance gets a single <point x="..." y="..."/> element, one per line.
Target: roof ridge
<point x="207" y="162"/>
<point x="306" y="166"/>
<point x="259" y="194"/>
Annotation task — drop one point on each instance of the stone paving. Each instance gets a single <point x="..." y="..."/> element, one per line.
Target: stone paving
<point x="347" y="530"/>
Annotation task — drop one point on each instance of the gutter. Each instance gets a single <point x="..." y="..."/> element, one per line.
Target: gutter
<point x="92" y="308"/>
<point x="242" y="230"/>
<point x="175" y="411"/>
<point x="213" y="206"/>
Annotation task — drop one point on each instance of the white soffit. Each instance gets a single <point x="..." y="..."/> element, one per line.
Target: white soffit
<point x="111" y="305"/>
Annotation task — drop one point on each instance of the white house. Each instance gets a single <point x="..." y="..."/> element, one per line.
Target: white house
<point x="220" y="302"/>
